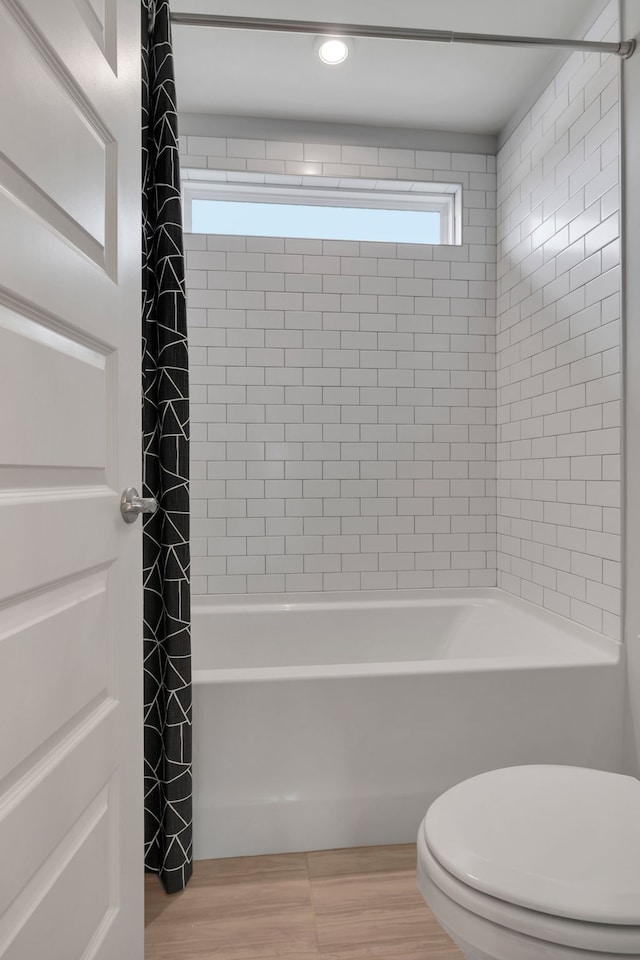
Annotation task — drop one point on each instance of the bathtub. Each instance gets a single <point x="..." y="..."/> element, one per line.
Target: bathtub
<point x="334" y="720"/>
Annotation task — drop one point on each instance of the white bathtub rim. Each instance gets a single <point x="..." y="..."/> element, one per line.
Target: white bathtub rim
<point x="385" y="599"/>
<point x="347" y="600"/>
<point x="400" y="668"/>
<point x="597" y="649"/>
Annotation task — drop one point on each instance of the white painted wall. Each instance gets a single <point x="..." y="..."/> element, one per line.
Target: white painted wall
<point x="558" y="343"/>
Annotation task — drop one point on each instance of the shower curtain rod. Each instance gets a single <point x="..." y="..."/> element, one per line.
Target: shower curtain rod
<point x="623" y="49"/>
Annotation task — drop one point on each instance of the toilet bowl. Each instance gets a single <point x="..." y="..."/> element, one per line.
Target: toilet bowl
<point x="536" y="862"/>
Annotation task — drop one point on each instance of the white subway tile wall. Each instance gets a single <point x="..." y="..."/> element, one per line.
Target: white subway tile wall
<point x="558" y="345"/>
<point x="343" y="393"/>
<point x="344" y="403"/>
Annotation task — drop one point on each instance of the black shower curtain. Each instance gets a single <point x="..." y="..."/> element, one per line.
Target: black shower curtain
<point x="165" y="424"/>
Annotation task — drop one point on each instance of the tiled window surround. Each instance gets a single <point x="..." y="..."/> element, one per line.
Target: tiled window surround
<point x="343" y="394"/>
<point x="559" y="492"/>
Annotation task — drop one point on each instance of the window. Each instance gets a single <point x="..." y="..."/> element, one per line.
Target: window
<point x="323" y="208"/>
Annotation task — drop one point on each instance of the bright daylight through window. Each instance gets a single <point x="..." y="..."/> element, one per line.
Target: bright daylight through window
<point x="397" y="212"/>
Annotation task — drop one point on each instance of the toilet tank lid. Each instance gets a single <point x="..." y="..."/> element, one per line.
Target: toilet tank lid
<point x="560" y="840"/>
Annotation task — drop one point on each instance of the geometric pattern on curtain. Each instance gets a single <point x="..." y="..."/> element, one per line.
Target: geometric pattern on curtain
<point x="165" y="423"/>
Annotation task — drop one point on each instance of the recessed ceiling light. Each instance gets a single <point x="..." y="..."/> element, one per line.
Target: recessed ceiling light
<point x="333" y="50"/>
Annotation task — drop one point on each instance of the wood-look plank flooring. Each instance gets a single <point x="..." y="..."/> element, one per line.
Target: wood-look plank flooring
<point x="359" y="904"/>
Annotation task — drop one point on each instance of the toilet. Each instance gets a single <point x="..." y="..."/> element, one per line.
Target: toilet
<point x="536" y="863"/>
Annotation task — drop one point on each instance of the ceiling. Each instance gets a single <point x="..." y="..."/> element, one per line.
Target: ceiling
<point x="390" y="83"/>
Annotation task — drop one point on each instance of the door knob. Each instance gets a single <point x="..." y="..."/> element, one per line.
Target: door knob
<point x="131" y="505"/>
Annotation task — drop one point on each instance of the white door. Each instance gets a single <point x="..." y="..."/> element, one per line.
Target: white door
<point x="70" y="568"/>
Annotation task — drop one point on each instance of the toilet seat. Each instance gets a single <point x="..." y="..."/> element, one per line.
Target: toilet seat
<point x="600" y="939"/>
<point x="549" y="851"/>
<point x="556" y="839"/>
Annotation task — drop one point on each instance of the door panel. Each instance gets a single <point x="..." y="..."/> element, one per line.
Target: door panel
<point x="68" y="877"/>
<point x="70" y="438"/>
<point x="65" y="808"/>
<point x="42" y="374"/>
<point x="59" y="118"/>
<point x="100" y="17"/>
<point x="55" y="642"/>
